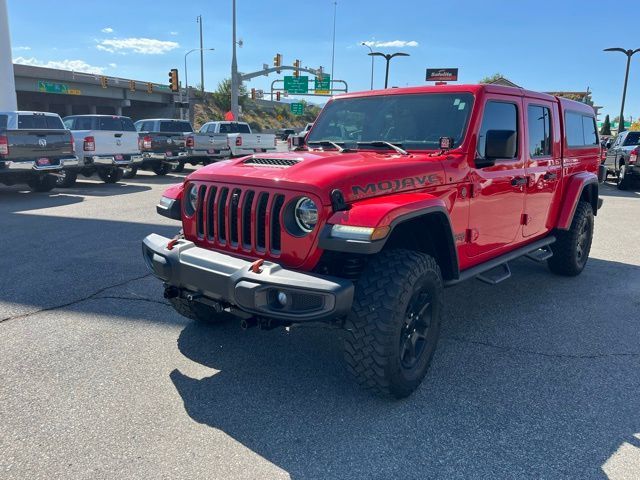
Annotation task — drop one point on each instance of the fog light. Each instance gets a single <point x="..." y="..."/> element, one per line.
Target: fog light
<point x="282" y="298"/>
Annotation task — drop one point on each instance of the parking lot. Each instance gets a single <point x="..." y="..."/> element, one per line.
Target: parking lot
<point x="536" y="377"/>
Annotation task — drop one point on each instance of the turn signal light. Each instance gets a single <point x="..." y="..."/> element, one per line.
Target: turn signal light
<point x="89" y="144"/>
<point x="190" y="142"/>
<point x="146" y="142"/>
<point x="634" y="155"/>
<point x="238" y="141"/>
<point x="4" y="145"/>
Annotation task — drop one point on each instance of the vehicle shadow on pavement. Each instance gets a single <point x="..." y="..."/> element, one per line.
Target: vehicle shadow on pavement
<point x="609" y="189"/>
<point x="520" y="387"/>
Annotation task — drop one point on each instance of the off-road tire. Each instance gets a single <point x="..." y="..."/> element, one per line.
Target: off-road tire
<point x="129" y="172"/>
<point x="42" y="183"/>
<point x="571" y="248"/>
<point x="68" y="180"/>
<point x="110" y="175"/>
<point x="379" y="321"/>
<point x="199" y="311"/>
<point x="161" y="169"/>
<point x="178" y="168"/>
<point x="622" y="180"/>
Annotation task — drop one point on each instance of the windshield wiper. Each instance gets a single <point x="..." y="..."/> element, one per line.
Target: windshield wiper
<point x="329" y="143"/>
<point x="381" y="143"/>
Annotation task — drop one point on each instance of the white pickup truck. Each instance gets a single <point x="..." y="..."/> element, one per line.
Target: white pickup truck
<point x="105" y="144"/>
<point x="241" y="140"/>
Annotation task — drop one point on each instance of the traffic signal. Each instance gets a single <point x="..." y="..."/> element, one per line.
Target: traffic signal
<point x="319" y="73"/>
<point x="103" y="82"/>
<point x="132" y="85"/>
<point x="173" y="80"/>
<point x="253" y="94"/>
<point x="277" y="61"/>
<point x="277" y="96"/>
<point x="296" y="72"/>
<point x="149" y="87"/>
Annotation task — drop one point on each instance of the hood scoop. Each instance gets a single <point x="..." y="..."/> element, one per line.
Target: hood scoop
<point x="272" y="162"/>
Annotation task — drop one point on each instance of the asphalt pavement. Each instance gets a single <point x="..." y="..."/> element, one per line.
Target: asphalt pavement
<point x="538" y="377"/>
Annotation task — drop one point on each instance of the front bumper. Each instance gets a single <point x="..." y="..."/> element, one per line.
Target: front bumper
<point x="33" y="165"/>
<point x="230" y="281"/>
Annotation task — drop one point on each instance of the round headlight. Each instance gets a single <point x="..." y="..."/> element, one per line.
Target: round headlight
<point x="191" y="199"/>
<point x="306" y="213"/>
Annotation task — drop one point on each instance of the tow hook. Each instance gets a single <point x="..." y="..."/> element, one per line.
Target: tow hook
<point x="247" y="323"/>
<point x="171" y="292"/>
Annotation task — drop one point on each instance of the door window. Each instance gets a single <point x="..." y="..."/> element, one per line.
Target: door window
<point x="498" y="116"/>
<point x="539" y="128"/>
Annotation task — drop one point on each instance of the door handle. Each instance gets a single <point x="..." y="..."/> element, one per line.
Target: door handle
<point x="550" y="176"/>
<point x="519" y="181"/>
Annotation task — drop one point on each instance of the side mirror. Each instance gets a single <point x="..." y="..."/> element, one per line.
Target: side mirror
<point x="499" y="144"/>
<point x="296" y="141"/>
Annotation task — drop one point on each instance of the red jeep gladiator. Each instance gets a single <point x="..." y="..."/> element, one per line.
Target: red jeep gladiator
<point x="393" y="196"/>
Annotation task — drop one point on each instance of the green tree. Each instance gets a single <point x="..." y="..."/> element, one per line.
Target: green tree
<point x="606" y="126"/>
<point x="635" y="126"/>
<point x="492" y="78"/>
<point x="222" y="95"/>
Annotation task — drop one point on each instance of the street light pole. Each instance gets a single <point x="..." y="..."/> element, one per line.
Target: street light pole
<point x="388" y="57"/>
<point x="364" y="44"/>
<point x="199" y="20"/>
<point x="186" y="75"/>
<point x="629" y="53"/>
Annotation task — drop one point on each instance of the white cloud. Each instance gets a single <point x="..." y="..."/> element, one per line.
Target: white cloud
<point x="392" y="43"/>
<point x="21" y="49"/>
<point x="107" y="30"/>
<point x="146" y="46"/>
<point x="73" y="65"/>
<point x="173" y="33"/>
<point x="113" y="65"/>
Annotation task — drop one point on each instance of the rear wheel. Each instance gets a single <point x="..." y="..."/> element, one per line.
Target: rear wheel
<point x="66" y="179"/>
<point x="178" y="168"/>
<point x="110" y="175"/>
<point x="623" y="179"/>
<point x="199" y="311"/>
<point x="42" y="183"/>
<point x="571" y="248"/>
<point x="394" y="325"/>
<point x="161" y="169"/>
<point x="129" y="172"/>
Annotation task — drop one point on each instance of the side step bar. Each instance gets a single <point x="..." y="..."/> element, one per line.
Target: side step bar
<point x="501" y="260"/>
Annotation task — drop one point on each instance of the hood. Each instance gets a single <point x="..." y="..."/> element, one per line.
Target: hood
<point x="357" y="175"/>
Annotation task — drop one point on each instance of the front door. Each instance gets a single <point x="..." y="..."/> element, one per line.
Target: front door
<point x="498" y="191"/>
<point x="543" y="166"/>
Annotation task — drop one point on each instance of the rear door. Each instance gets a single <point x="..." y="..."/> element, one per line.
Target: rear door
<point x="497" y="201"/>
<point x="543" y="165"/>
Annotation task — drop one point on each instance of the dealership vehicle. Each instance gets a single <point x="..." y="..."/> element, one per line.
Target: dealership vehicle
<point x="104" y="144"/>
<point x="285" y="132"/>
<point x="34" y="148"/>
<point x="397" y="194"/>
<point x="205" y="148"/>
<point x="241" y="140"/>
<point x="162" y="143"/>
<point x="622" y="158"/>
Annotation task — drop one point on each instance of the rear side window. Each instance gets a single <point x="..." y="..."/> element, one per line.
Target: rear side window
<point x="633" y="138"/>
<point x="497" y="116"/>
<point x="84" y="123"/>
<point x="580" y="129"/>
<point x="68" y="122"/>
<point x="47" y="122"/>
<point x="539" y="128"/>
<point x="3" y="121"/>
<point x="175" y="127"/>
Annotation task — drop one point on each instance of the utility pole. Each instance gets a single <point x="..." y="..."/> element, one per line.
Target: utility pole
<point x="333" y="48"/>
<point x="8" y="100"/>
<point x="199" y="20"/>
<point x="629" y="53"/>
<point x="234" y="68"/>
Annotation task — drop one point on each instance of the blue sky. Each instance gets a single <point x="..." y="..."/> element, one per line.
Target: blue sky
<point x="541" y="45"/>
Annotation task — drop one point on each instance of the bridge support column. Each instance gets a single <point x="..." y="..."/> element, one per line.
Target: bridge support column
<point x="118" y="110"/>
<point x="68" y="109"/>
<point x="93" y="109"/>
<point x="8" y="99"/>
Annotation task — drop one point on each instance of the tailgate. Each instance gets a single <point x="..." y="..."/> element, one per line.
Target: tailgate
<point x="213" y="142"/>
<point x="165" y="142"/>
<point x="34" y="144"/>
<point x="111" y="142"/>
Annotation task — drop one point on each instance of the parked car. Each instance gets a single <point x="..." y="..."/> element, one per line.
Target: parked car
<point x="622" y="158"/>
<point x="241" y="140"/>
<point x="205" y="148"/>
<point x="104" y="144"/>
<point x="34" y="148"/>
<point x="398" y="194"/>
<point x="285" y="132"/>
<point x="162" y="144"/>
<point x="294" y="140"/>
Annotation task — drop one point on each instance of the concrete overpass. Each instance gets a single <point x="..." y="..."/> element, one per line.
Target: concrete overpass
<point x="68" y="93"/>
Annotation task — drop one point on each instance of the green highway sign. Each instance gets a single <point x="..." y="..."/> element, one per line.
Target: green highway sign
<point x="297" y="108"/>
<point x="296" y="85"/>
<point x="48" y="87"/>
<point x="323" y="87"/>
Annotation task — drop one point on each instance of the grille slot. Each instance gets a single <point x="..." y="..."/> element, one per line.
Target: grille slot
<point x="222" y="205"/>
<point x="271" y="162"/>
<point x="234" y="206"/>
<point x="261" y="219"/>
<point x="200" y="211"/>
<point x="275" y="223"/>
<point x="246" y="219"/>
<point x="210" y="212"/>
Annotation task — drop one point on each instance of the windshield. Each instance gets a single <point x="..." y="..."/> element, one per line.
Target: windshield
<point x="633" y="138"/>
<point x="413" y="121"/>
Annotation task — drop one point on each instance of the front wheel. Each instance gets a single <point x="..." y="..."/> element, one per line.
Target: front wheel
<point x="110" y="175"/>
<point x="161" y="169"/>
<point x="42" y="183"/>
<point x="622" y="182"/>
<point x="394" y="325"/>
<point x="66" y="179"/>
<point x="178" y="168"/>
<point x="571" y="248"/>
